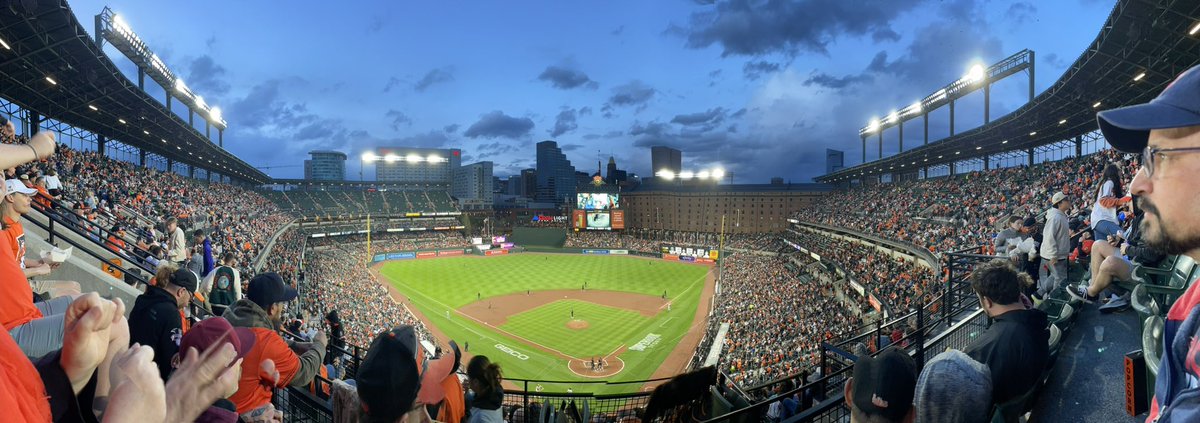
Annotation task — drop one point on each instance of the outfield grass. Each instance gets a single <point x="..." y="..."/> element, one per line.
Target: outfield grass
<point x="435" y="286"/>
<point x="547" y="325"/>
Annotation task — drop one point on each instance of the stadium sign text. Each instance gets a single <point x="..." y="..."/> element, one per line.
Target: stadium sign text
<point x="512" y="352"/>
<point x="646" y="343"/>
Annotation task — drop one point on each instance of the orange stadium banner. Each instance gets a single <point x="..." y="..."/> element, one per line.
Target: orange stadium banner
<point x="618" y="219"/>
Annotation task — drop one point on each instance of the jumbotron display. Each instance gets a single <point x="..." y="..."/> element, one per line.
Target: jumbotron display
<point x="597" y="201"/>
<point x="598" y="211"/>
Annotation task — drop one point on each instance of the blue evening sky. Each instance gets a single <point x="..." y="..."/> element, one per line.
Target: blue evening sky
<point x="757" y="87"/>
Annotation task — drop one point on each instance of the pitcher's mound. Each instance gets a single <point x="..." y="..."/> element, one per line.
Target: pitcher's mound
<point x="577" y="324"/>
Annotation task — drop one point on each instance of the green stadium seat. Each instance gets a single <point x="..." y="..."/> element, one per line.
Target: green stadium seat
<point x="1152" y="343"/>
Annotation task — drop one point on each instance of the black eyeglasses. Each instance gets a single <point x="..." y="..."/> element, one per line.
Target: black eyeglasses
<point x="1150" y="154"/>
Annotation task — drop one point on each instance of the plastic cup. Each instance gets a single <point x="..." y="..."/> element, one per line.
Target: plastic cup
<point x="1099" y="333"/>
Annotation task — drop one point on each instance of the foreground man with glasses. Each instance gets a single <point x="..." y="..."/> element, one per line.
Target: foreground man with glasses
<point x="1167" y="133"/>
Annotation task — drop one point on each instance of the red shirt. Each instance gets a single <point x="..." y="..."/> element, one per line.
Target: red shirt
<point x="16" y="296"/>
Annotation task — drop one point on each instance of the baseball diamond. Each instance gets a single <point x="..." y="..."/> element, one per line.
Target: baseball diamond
<point x="532" y="313"/>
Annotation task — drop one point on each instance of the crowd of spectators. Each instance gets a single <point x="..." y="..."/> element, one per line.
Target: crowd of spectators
<point x="777" y="316"/>
<point x="962" y="211"/>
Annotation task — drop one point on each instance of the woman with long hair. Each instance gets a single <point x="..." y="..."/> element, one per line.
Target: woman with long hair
<point x="1109" y="197"/>
<point x="483" y="377"/>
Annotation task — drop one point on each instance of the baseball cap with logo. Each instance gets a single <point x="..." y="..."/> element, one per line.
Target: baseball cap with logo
<point x="1128" y="128"/>
<point x="395" y="375"/>
<point x="185" y="278"/>
<point x="884" y="385"/>
<point x="13" y="185"/>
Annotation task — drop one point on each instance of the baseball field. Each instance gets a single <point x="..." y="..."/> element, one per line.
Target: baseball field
<point x="594" y="321"/>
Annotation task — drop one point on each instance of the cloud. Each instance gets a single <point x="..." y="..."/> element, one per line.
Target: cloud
<point x="499" y="125"/>
<point x="709" y="117"/>
<point x="585" y="111"/>
<point x="758" y="27"/>
<point x="434" y="76"/>
<point x="495" y="149"/>
<point x="398" y="119"/>
<point x="566" y="78"/>
<point x="564" y="123"/>
<point x="633" y="93"/>
<point x="829" y="81"/>
<point x="755" y="70"/>
<point x="618" y="31"/>
<point x="451" y="128"/>
<point x="206" y="77"/>
<point x="570" y="147"/>
<point x="392" y="83"/>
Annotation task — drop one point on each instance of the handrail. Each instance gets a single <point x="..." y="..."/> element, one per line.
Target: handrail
<point x="49" y="228"/>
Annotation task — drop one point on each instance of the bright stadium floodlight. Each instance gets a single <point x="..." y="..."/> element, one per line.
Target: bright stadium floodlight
<point x="180" y="87"/>
<point x="412" y="158"/>
<point x="215" y="113"/>
<point x="687" y="174"/>
<point x="368" y="157"/>
<point x="391" y="158"/>
<point x="975" y="74"/>
<point x="433" y="158"/>
<point x="718" y="173"/>
<point x="120" y="25"/>
<point x="874" y="126"/>
<point x="665" y="174"/>
<point x="915" y="108"/>
<point x="200" y="103"/>
<point x="893" y="117"/>
<point x="703" y="174"/>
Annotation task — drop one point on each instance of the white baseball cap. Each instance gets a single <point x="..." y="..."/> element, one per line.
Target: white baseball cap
<point x="13" y="185"/>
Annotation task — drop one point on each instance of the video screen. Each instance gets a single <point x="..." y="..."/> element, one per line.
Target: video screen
<point x="601" y="221"/>
<point x="597" y="201"/>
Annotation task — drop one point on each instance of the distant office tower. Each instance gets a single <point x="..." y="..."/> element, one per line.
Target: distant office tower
<point x="555" y="175"/>
<point x="665" y="158"/>
<point x="474" y="182"/>
<point x="325" y="166"/>
<point x="614" y="176"/>
<point x="835" y="160"/>
<point x="528" y="183"/>
<point x="425" y="168"/>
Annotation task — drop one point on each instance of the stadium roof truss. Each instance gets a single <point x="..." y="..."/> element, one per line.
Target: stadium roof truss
<point x="52" y="67"/>
<point x="1140" y="49"/>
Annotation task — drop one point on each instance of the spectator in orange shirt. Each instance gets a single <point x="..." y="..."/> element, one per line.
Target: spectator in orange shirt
<point x="296" y="363"/>
<point x="116" y="240"/>
<point x="15" y="205"/>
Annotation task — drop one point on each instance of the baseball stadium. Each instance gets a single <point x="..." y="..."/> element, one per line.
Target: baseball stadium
<point x="188" y="262"/>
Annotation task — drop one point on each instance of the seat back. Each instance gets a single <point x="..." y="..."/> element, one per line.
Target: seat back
<point x="1152" y="342"/>
<point x="1184" y="266"/>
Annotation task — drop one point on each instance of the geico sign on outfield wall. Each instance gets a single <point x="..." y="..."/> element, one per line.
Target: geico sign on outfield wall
<point x="512" y="352"/>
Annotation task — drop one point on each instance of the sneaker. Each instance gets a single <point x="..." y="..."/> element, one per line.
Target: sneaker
<point x="1118" y="304"/>
<point x="1079" y="293"/>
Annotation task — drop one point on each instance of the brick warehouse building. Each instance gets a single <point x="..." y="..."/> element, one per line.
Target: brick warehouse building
<point x="748" y="208"/>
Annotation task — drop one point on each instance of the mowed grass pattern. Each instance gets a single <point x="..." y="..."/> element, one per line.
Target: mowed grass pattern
<point x="438" y="286"/>
<point x="547" y="325"/>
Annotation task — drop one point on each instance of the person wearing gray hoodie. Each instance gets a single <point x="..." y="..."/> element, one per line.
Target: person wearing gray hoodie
<point x="953" y="387"/>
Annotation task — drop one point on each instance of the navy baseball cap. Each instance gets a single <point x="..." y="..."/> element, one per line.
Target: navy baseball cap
<point x="1128" y="128"/>
<point x="268" y="288"/>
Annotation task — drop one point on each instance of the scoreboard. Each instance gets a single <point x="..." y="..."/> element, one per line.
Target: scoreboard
<point x="689" y="253"/>
<point x="598" y="212"/>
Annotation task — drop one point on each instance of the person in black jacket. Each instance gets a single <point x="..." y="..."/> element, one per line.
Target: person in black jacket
<point x="156" y="320"/>
<point x="1116" y="257"/>
<point x="1016" y="347"/>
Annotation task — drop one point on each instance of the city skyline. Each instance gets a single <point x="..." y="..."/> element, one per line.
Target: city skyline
<point x="735" y="85"/>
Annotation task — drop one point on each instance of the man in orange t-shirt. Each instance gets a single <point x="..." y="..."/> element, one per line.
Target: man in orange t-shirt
<point x="37" y="328"/>
<point x="13" y="206"/>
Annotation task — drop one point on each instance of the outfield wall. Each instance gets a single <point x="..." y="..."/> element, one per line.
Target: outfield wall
<point x="539" y="237"/>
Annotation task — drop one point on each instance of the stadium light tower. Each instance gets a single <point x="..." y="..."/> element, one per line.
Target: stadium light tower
<point x="113" y="28"/>
<point x="976" y="77"/>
